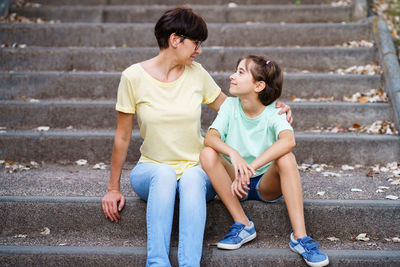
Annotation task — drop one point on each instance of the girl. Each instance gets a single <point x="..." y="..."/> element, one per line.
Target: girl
<point x="249" y="139"/>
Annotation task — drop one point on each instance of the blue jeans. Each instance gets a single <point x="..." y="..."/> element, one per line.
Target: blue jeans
<point x="158" y="185"/>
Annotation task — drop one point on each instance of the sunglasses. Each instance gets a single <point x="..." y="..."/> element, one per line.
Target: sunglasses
<point x="197" y="43"/>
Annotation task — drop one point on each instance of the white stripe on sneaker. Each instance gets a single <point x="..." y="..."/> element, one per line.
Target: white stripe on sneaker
<point x="243" y="234"/>
<point x="299" y="248"/>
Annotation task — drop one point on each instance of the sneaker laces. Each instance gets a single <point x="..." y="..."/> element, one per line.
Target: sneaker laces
<point x="234" y="230"/>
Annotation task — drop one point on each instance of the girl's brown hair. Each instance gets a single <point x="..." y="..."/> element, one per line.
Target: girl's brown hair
<point x="267" y="71"/>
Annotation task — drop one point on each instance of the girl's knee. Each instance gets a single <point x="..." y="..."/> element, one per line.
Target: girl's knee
<point x="286" y="161"/>
<point x="208" y="157"/>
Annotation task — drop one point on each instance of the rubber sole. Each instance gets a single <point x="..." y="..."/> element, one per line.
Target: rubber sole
<point x="312" y="264"/>
<point x="236" y="246"/>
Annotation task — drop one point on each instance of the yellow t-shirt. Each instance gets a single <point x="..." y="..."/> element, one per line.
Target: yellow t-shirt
<point x="168" y="113"/>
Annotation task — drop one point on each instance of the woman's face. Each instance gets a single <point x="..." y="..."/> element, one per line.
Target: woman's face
<point x="242" y="81"/>
<point x="189" y="50"/>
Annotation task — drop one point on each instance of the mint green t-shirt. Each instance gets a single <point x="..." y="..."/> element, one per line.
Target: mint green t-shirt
<point x="249" y="136"/>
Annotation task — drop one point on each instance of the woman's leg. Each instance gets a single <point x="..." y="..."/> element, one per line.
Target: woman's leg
<point x="194" y="189"/>
<point x="221" y="173"/>
<point x="156" y="183"/>
<point x="283" y="177"/>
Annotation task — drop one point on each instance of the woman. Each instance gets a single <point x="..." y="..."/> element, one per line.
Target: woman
<point x="166" y="92"/>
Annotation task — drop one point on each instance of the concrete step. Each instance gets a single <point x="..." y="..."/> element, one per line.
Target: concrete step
<point x="102" y="114"/>
<point x="210" y="13"/>
<point x="27" y="215"/>
<point x="96" y="146"/>
<point x="179" y="2"/>
<point x="136" y="256"/>
<point x="313" y="59"/>
<point x="72" y="180"/>
<point x="102" y="86"/>
<point x="107" y="35"/>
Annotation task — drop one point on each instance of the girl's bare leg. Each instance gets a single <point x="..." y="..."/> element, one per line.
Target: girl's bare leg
<point x="283" y="178"/>
<point x="220" y="173"/>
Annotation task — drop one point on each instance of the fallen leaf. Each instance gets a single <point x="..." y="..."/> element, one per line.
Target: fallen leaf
<point x="361" y="43"/>
<point x="341" y="3"/>
<point x="362" y="237"/>
<point x="332" y="238"/>
<point x="43" y="128"/>
<point x="356" y="190"/>
<point x="392" y="165"/>
<point x="81" y="162"/>
<point x="396" y="182"/>
<point x="332" y="174"/>
<point x="383" y="187"/>
<point x="347" y="167"/>
<point x="100" y="166"/>
<point x="20" y="236"/>
<point x="45" y="231"/>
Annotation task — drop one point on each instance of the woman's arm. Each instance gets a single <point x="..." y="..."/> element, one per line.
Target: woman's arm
<point x="122" y="139"/>
<point x="285" y="109"/>
<point x="285" y="143"/>
<point x="217" y="102"/>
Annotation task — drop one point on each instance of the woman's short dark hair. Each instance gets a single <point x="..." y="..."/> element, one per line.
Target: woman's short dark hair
<point x="268" y="71"/>
<point x="182" y="21"/>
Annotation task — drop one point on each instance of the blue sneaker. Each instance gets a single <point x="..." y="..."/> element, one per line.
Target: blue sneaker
<point x="238" y="235"/>
<point x="308" y="249"/>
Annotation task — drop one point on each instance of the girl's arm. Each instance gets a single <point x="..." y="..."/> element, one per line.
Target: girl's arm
<point x="285" y="143"/>
<point x="121" y="143"/>
<point x="243" y="171"/>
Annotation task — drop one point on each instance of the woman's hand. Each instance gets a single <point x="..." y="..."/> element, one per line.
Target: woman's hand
<point x="243" y="171"/>
<point x="285" y="109"/>
<point x="110" y="203"/>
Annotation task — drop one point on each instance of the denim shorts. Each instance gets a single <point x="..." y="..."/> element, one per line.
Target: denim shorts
<point x="254" y="192"/>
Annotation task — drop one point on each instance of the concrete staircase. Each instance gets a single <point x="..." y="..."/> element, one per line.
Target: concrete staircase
<point x="67" y="76"/>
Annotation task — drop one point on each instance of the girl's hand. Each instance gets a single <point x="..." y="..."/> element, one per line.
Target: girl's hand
<point x="238" y="189"/>
<point x="110" y="203"/>
<point x="243" y="171"/>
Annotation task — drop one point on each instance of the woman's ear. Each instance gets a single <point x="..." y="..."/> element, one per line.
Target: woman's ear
<point x="260" y="85"/>
<point x="174" y="40"/>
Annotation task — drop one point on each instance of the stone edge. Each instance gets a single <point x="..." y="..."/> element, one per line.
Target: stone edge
<point x="389" y="63"/>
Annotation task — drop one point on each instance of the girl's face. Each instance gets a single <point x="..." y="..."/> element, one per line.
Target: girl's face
<point x="242" y="82"/>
